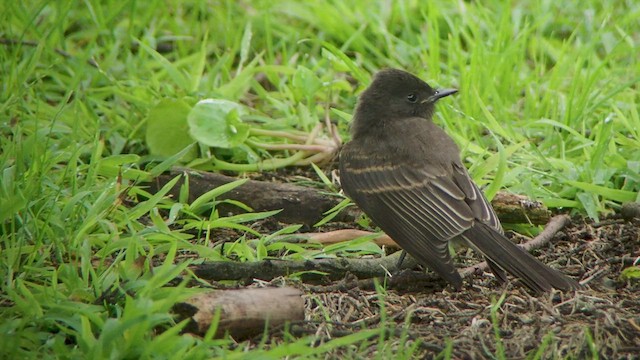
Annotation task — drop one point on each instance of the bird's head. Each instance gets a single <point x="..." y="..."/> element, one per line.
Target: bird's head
<point x="396" y="94"/>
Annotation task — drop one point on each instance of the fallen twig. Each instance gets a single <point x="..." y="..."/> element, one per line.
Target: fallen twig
<point x="306" y="205"/>
<point x="308" y="271"/>
<point x="338" y="236"/>
<point x="362" y="271"/>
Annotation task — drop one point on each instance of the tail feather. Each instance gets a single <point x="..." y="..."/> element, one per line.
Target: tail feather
<point x="515" y="260"/>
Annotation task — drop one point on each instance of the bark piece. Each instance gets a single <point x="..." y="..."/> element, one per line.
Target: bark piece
<point x="338" y="236"/>
<point x="305" y="205"/>
<point x="519" y="209"/>
<point x="310" y="270"/>
<point x="299" y="204"/>
<point x="244" y="312"/>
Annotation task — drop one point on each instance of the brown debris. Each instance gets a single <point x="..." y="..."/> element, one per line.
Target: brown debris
<point x="363" y="272"/>
<point x="243" y="312"/>
<point x="606" y="311"/>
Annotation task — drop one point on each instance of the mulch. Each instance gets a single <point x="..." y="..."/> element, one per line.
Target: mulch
<point x="486" y="318"/>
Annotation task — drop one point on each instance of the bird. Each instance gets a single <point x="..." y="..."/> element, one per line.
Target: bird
<point x="406" y="174"/>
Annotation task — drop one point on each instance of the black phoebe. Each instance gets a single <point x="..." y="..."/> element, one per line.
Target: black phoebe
<point x="405" y="173"/>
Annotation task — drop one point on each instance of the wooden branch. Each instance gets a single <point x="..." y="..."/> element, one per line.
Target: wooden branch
<point x="305" y="205"/>
<point x="299" y="204"/>
<point x="518" y="209"/>
<point x="359" y="268"/>
<point x="244" y="312"/>
<point x="338" y="236"/>
<point x="310" y="270"/>
<point x="554" y="225"/>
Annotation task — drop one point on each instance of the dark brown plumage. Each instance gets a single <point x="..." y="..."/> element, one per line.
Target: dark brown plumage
<point x="405" y="173"/>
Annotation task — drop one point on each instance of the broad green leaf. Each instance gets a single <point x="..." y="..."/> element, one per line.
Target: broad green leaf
<point x="167" y="129"/>
<point x="216" y="123"/>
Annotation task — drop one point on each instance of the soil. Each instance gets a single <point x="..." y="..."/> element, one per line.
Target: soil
<point x="606" y="312"/>
<point x="486" y="318"/>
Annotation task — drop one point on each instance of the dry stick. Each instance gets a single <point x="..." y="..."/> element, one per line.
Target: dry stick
<point x="306" y="205"/>
<point x="309" y="270"/>
<point x="336" y="269"/>
<point x="299" y="204"/>
<point x="338" y="236"/>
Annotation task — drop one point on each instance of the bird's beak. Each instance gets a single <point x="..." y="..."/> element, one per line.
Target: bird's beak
<point x="440" y="94"/>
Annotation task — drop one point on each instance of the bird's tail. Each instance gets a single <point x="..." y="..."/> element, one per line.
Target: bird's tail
<point x="515" y="260"/>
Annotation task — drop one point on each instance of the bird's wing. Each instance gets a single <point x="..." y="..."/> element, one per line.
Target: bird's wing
<point x="421" y="208"/>
<point x="480" y="206"/>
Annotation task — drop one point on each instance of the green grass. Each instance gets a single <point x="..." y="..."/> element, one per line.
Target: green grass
<point x="547" y="108"/>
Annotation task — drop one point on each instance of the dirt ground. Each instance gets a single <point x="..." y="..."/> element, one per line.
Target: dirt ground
<point x="486" y="317"/>
<point x="606" y="313"/>
<point x="607" y="310"/>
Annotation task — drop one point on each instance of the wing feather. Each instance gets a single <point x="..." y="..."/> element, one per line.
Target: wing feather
<point x="420" y="210"/>
<point x="480" y="206"/>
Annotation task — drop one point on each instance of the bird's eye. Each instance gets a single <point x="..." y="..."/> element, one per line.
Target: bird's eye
<point x="412" y="97"/>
